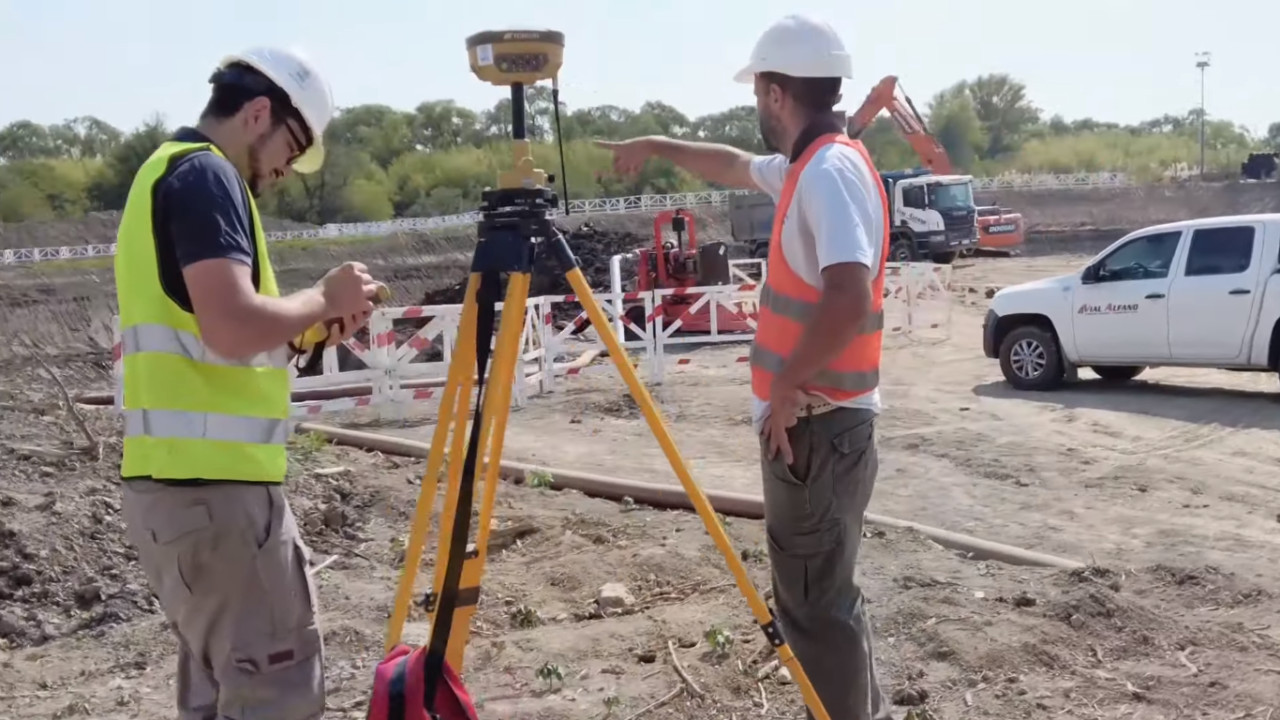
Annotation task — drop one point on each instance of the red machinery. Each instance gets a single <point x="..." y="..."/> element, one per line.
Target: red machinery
<point x="685" y="264"/>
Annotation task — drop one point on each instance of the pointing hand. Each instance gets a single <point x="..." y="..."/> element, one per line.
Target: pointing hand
<point x="628" y="155"/>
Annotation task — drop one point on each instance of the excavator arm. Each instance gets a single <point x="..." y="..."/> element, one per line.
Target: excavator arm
<point x="886" y="95"/>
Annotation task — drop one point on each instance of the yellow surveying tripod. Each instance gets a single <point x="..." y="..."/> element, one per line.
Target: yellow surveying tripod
<point x="515" y="226"/>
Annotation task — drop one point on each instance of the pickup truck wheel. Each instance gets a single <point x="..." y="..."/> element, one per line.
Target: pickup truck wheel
<point x="1030" y="359"/>
<point x="1117" y="373"/>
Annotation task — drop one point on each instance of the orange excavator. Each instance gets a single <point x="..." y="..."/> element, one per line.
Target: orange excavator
<point x="916" y="196"/>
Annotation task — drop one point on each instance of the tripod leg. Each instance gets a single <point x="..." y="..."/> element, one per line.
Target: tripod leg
<point x="660" y="432"/>
<point x="457" y="388"/>
<point x="503" y="374"/>
<point x="466" y="347"/>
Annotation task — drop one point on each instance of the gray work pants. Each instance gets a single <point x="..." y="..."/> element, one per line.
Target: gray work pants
<point x="230" y="570"/>
<point x="813" y="517"/>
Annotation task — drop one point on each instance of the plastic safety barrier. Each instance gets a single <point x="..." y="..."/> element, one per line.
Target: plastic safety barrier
<point x="402" y="358"/>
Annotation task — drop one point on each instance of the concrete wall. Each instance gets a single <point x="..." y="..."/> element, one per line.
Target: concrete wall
<point x="1134" y="207"/>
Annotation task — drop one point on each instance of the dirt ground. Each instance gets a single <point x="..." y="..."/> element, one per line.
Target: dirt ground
<point x="1162" y="486"/>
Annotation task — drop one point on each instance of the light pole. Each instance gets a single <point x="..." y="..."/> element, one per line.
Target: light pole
<point x="1202" y="62"/>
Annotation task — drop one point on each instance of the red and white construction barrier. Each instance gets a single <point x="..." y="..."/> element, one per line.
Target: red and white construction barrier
<point x="390" y="366"/>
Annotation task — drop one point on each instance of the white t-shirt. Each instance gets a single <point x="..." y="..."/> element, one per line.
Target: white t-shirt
<point x="835" y="217"/>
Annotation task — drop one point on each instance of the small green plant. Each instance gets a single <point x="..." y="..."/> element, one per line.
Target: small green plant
<point x="524" y="616"/>
<point x="611" y="702"/>
<point x="550" y="673"/>
<point x="754" y="554"/>
<point x="720" y="640"/>
<point x="308" y="444"/>
<point x="538" y="479"/>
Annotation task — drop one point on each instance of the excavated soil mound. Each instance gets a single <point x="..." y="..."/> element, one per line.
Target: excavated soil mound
<point x="591" y="244"/>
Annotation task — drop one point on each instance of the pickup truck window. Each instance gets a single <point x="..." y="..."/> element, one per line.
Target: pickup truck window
<point x="1220" y="251"/>
<point x="1142" y="258"/>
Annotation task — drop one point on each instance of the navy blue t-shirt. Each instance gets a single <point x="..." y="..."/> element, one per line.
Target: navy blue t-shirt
<point x="200" y="212"/>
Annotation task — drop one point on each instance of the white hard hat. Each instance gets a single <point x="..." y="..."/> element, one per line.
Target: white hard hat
<point x="310" y="93"/>
<point x="798" y="46"/>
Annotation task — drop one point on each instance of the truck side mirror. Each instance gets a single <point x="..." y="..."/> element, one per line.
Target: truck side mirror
<point x="1090" y="275"/>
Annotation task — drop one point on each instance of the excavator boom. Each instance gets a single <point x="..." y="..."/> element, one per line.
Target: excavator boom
<point x="886" y="95"/>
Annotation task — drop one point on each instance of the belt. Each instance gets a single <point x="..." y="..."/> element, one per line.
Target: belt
<point x="816" y="408"/>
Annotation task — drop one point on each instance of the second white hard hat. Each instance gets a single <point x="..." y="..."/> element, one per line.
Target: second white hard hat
<point x="798" y="46"/>
<point x="309" y="91"/>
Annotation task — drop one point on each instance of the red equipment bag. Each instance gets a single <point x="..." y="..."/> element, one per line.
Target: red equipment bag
<point x="399" y="690"/>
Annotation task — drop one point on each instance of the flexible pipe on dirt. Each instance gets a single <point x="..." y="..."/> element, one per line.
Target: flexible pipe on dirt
<point x="673" y="496"/>
<point x="583" y="360"/>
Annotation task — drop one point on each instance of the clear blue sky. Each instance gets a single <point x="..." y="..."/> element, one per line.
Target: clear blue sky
<point x="1122" y="60"/>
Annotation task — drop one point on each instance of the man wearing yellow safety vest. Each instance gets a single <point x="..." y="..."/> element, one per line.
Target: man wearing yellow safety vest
<point x="206" y="341"/>
<point x="815" y="360"/>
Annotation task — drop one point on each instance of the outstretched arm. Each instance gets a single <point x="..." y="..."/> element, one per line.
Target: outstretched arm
<point x="713" y="162"/>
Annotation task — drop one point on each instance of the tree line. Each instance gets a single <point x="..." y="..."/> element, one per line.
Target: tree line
<point x="437" y="158"/>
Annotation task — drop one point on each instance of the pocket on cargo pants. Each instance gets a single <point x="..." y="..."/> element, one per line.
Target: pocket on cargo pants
<point x="277" y="656"/>
<point x="799" y="519"/>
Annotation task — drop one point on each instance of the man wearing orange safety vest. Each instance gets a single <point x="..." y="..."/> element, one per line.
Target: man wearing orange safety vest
<point x="815" y="361"/>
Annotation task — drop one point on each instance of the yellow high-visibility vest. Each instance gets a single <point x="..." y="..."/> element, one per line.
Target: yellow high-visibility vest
<point x="189" y="413"/>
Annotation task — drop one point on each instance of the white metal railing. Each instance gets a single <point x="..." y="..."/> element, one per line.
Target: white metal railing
<point x="1071" y="181"/>
<point x="589" y="206"/>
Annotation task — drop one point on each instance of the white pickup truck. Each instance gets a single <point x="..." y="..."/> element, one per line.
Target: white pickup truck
<point x="1197" y="293"/>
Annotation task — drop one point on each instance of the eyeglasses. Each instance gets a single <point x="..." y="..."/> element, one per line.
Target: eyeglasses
<point x="297" y="145"/>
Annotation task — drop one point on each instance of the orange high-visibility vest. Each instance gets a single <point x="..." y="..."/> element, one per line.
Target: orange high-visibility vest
<point x="788" y="302"/>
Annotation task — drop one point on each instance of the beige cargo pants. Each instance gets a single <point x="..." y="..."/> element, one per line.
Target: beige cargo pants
<point x="813" y="518"/>
<point x="230" y="570"/>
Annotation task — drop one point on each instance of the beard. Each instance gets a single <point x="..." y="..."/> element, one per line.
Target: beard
<point x="257" y="177"/>
<point x="769" y="133"/>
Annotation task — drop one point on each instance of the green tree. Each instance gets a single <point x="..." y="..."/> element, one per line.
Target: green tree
<point x="1273" y="136"/>
<point x="439" y="157"/>
<point x="25" y="140"/>
<point x="1005" y="111"/>
<point x="381" y="132"/>
<point x="443" y="124"/>
<point x="110" y="185"/>
<point x="954" y="121"/>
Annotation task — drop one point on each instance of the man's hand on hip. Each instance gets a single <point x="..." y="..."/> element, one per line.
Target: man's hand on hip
<point x="784" y="403"/>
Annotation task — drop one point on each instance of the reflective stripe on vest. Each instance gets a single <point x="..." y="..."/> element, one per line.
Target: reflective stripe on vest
<point x="163" y="339"/>
<point x="189" y="412"/>
<point x="788" y="303"/>
<point x="204" y="426"/>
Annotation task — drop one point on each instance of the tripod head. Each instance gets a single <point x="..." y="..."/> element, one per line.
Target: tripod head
<point x="519" y="208"/>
